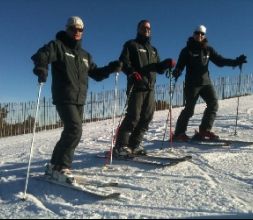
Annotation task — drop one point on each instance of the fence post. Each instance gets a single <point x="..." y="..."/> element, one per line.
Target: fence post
<point x="223" y="87"/>
<point x="103" y="104"/>
<point x="44" y="123"/>
<point x="1" y="121"/>
<point x="91" y="106"/>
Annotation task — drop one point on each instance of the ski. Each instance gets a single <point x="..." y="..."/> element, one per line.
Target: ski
<point x="220" y="142"/>
<point x="154" y="155"/>
<point x="214" y="143"/>
<point x="147" y="162"/>
<point x="99" y="184"/>
<point x="151" y="160"/>
<point x="217" y="142"/>
<point x="208" y="143"/>
<point x="169" y="159"/>
<point x="89" y="188"/>
<point x="231" y="142"/>
<point x="83" y="180"/>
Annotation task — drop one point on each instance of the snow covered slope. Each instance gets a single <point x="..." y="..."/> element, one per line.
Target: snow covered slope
<point x="217" y="183"/>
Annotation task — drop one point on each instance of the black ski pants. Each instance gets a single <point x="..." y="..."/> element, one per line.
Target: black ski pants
<point x="71" y="115"/>
<point x="208" y="94"/>
<point x="140" y="111"/>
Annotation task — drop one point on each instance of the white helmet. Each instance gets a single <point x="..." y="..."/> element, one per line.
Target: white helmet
<point x="200" y="28"/>
<point x="74" y="20"/>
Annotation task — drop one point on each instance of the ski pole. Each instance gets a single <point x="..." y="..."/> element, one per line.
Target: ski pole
<point x="169" y="117"/>
<point x="171" y="94"/>
<point x="166" y="125"/>
<point x="32" y="144"/>
<point x="126" y="104"/>
<point x="114" y="115"/>
<point x="116" y="130"/>
<point x="238" y="99"/>
<point x="172" y="89"/>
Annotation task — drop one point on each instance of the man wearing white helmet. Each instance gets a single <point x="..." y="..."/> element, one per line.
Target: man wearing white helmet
<point x="195" y="57"/>
<point x="71" y="67"/>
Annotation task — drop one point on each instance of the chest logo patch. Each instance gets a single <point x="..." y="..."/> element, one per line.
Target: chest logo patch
<point x="69" y="54"/>
<point x="142" y="50"/>
<point x="86" y="62"/>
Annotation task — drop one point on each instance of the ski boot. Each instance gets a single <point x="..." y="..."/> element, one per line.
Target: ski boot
<point x="180" y="137"/>
<point x="139" y="151"/>
<point x="64" y="175"/>
<point x="122" y="152"/>
<point x="203" y="135"/>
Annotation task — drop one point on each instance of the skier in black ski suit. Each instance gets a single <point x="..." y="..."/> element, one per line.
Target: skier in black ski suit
<point x="140" y="63"/>
<point x="71" y="67"/>
<point x="195" y="57"/>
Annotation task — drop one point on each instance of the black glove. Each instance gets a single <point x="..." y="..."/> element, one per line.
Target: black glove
<point x="42" y="74"/>
<point x="166" y="64"/>
<point x="241" y="60"/>
<point x="115" y="66"/>
<point x="176" y="74"/>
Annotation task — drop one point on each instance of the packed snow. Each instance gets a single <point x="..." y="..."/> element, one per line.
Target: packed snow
<point x="216" y="183"/>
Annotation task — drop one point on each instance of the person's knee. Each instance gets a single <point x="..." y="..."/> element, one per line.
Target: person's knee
<point x="130" y="122"/>
<point x="188" y="112"/>
<point x="76" y="130"/>
<point x="213" y="106"/>
<point x="216" y="106"/>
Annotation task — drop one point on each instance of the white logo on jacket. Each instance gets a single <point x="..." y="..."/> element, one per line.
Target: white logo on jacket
<point x="69" y="54"/>
<point x="86" y="62"/>
<point x="142" y="50"/>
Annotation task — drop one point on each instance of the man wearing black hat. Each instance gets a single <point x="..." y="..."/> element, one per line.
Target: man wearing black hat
<point x="71" y="67"/>
<point x="140" y="63"/>
<point x="195" y="57"/>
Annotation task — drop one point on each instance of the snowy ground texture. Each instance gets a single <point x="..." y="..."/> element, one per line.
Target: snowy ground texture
<point x="217" y="183"/>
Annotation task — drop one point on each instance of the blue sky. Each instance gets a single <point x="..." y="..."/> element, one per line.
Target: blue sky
<point x="27" y="25"/>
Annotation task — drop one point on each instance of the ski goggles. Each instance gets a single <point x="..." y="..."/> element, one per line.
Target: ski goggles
<point x="75" y="29"/>
<point x="199" y="33"/>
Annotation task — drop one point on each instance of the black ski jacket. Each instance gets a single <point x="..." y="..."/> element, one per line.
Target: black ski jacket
<point x="140" y="56"/>
<point x="195" y="56"/>
<point x="71" y="66"/>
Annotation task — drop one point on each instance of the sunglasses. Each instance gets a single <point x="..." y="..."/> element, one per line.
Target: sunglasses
<point x="74" y="29"/>
<point x="145" y="28"/>
<point x="199" y="33"/>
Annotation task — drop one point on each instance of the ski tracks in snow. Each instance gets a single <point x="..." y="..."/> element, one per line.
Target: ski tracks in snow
<point x="250" y="114"/>
<point x="228" y="183"/>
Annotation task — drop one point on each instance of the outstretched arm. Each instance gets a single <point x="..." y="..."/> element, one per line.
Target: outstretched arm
<point x="100" y="73"/>
<point x="221" y="61"/>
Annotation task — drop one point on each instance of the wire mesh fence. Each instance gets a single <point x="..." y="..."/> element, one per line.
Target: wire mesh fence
<point x="18" y="118"/>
